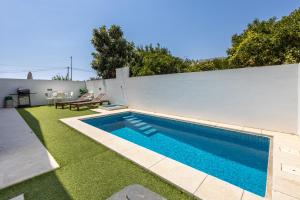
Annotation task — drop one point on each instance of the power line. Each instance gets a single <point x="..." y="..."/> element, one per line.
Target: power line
<point x="41" y="68"/>
<point x="48" y="69"/>
<point x="80" y="69"/>
<point x="36" y="70"/>
<point x="33" y="66"/>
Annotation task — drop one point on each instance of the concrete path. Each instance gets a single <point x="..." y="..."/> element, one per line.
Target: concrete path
<point x="22" y="155"/>
<point x="20" y="197"/>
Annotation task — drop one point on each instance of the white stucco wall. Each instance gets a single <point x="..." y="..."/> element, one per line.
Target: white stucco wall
<point x="9" y="86"/>
<point x="298" y="96"/>
<point x="111" y="87"/>
<point x="114" y="88"/>
<point x="261" y="97"/>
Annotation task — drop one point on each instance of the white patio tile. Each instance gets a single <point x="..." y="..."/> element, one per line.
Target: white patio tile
<point x="287" y="140"/>
<point x="213" y="188"/>
<point x="286" y="185"/>
<point x="179" y="174"/>
<point x="88" y="130"/>
<point x="205" y="122"/>
<point x="143" y="156"/>
<point x="228" y="126"/>
<point x="270" y="133"/>
<point x="250" y="196"/>
<point x="294" y="170"/>
<point x="281" y="196"/>
<point x="99" y="110"/>
<point x="289" y="150"/>
<point x="119" y="145"/>
<point x="252" y="130"/>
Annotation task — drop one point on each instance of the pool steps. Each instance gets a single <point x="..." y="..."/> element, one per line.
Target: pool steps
<point x="147" y="129"/>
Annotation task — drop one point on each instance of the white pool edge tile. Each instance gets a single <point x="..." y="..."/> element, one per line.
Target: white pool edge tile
<point x="214" y="188"/>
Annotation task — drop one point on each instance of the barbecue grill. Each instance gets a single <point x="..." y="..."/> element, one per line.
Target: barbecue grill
<point x="23" y="97"/>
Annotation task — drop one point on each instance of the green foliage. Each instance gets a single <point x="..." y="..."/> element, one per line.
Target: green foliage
<point x="207" y="65"/>
<point x="112" y="51"/>
<point x="7" y="98"/>
<point x="83" y="91"/>
<point x="268" y="42"/>
<point x="155" y="60"/>
<point x="95" y="78"/>
<point x="60" y="77"/>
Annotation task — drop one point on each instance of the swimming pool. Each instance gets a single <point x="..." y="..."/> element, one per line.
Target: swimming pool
<point x="238" y="158"/>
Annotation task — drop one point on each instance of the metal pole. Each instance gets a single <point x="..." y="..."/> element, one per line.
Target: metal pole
<point x="68" y="74"/>
<point x="71" y="69"/>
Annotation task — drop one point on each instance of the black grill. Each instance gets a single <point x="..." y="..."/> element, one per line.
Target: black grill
<point x="22" y="91"/>
<point x="23" y="97"/>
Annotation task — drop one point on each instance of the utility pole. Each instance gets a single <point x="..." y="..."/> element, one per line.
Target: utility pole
<point x="68" y="74"/>
<point x="71" y="69"/>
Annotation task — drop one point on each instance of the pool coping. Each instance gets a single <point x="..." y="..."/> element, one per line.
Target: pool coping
<point x="204" y="186"/>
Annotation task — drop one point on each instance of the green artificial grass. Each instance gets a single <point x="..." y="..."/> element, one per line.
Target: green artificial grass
<point x="87" y="170"/>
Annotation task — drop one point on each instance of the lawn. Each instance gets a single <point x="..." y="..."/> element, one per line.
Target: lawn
<point x="87" y="170"/>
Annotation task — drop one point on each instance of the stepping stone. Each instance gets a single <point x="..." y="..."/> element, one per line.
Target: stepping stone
<point x="136" y="192"/>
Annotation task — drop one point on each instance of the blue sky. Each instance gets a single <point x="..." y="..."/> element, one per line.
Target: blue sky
<point x="40" y="34"/>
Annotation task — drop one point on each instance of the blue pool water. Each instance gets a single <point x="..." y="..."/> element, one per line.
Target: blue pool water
<point x="238" y="158"/>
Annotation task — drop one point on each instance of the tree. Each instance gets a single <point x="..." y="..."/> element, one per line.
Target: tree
<point x="267" y="42"/>
<point x="60" y="77"/>
<point x="151" y="60"/>
<point x="95" y="78"/>
<point x="112" y="51"/>
<point x="207" y="65"/>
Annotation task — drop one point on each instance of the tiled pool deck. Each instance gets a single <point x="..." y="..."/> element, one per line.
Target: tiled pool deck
<point x="284" y="161"/>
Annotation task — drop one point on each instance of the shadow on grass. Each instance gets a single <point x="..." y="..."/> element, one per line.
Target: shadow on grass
<point x="33" y="123"/>
<point x="45" y="186"/>
<point x="84" y="108"/>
